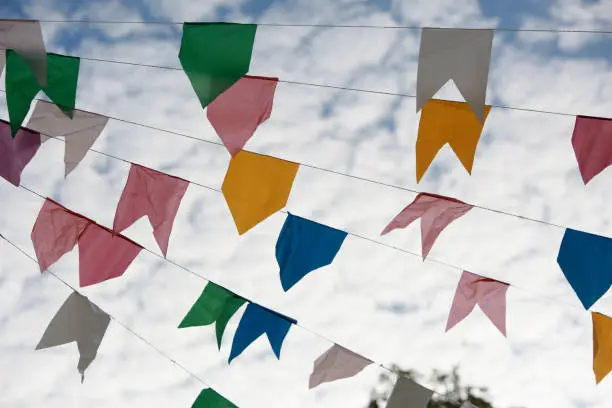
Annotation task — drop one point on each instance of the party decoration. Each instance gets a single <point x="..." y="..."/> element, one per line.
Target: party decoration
<point x="586" y="262"/>
<point x="592" y="142"/>
<point x="215" y="55"/>
<point x="335" y="364"/>
<point x="26" y="39"/>
<point x="408" y="394"/>
<point x="463" y="55"/>
<point x="436" y="213"/>
<point x="209" y="398"/>
<point x="304" y="246"/>
<point x="16" y="153"/>
<point x="81" y="321"/>
<point x="215" y="305"/>
<point x="449" y="122"/>
<point x="487" y="293"/>
<point x="80" y="132"/>
<point x="256" y="321"/>
<point x="468" y="404"/>
<point x="237" y="112"/>
<point x="602" y="345"/>
<point x="256" y="186"/>
<point x="154" y="194"/>
<point x="22" y="86"/>
<point x="104" y="255"/>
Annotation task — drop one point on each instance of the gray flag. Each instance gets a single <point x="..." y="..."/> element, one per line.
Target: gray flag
<point x="25" y="38"/>
<point x="408" y="394"/>
<point x="335" y="364"/>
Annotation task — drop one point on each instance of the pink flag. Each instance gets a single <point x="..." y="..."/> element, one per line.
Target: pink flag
<point x="55" y="232"/>
<point x="592" y="141"/>
<point x="435" y="211"/>
<point x="488" y="293"/>
<point x="104" y="255"/>
<point x="16" y="153"/>
<point x="237" y="112"/>
<point x="154" y="194"/>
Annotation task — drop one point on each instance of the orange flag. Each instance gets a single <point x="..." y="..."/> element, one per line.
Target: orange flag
<point x="602" y="345"/>
<point x="257" y="186"/>
<point x="449" y="122"/>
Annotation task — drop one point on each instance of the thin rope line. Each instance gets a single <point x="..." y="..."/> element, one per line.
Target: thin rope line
<point x="508" y="29"/>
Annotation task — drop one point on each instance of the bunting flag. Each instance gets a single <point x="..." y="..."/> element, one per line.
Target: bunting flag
<point x="103" y="254"/>
<point x="154" y="194"/>
<point x="468" y="404"/>
<point x="602" y="346"/>
<point x="256" y="321"/>
<point x="335" y="364"/>
<point x="81" y="321"/>
<point x="209" y="398"/>
<point x="436" y="213"/>
<point x="215" y="56"/>
<point x="80" y="132"/>
<point x="26" y="39"/>
<point x="304" y="246"/>
<point x="586" y="262"/>
<point x="463" y="55"/>
<point x="408" y="394"/>
<point x="16" y="153"/>
<point x="487" y="293"/>
<point x="2" y="60"/>
<point x="215" y="305"/>
<point x="256" y="186"/>
<point x="449" y="122"/>
<point x="237" y="112"/>
<point x="22" y="86"/>
<point x="592" y="142"/>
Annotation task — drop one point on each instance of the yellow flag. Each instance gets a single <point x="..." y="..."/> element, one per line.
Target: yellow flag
<point x="448" y="122"/>
<point x="257" y="186"/>
<point x="602" y="345"/>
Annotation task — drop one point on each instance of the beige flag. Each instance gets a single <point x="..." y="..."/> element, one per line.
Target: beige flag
<point x="408" y="394"/>
<point x="25" y="38"/>
<point x="335" y="364"/>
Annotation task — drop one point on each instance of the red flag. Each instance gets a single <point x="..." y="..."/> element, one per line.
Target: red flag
<point x="237" y="112"/>
<point x="592" y="142"/>
<point x="16" y="153"/>
<point x="154" y="194"/>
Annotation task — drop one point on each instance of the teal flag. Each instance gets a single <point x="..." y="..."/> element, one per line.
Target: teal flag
<point x="215" y="304"/>
<point x="209" y="398"/>
<point x="22" y="87"/>
<point x="215" y="56"/>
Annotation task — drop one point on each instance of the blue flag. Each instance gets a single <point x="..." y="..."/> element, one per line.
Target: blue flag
<point x="304" y="246"/>
<point x="256" y="321"/>
<point x="586" y="261"/>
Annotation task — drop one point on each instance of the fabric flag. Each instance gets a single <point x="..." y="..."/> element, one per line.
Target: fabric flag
<point x="436" y="213"/>
<point x="592" y="142"/>
<point x="602" y="345"/>
<point x="79" y="133"/>
<point x="256" y="321"/>
<point x="56" y="232"/>
<point x="2" y="60"/>
<point x="237" y="112"/>
<point x="335" y="364"/>
<point x="449" y="122"/>
<point x="468" y="404"/>
<point x="26" y="39"/>
<point x="304" y="246"/>
<point x="215" y="305"/>
<point x="586" y="262"/>
<point x="408" y="394"/>
<point x="16" y="153"/>
<point x="209" y="398"/>
<point x="487" y="293"/>
<point x="256" y="186"/>
<point x="463" y="55"/>
<point x="22" y="86"/>
<point x="154" y="194"/>
<point x="215" y="55"/>
<point x="104" y="255"/>
<point x="81" y="321"/>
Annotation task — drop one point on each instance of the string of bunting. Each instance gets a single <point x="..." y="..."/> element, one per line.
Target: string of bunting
<point x="216" y="59"/>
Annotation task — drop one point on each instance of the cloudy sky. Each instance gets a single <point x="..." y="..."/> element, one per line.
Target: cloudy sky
<point x="382" y="303"/>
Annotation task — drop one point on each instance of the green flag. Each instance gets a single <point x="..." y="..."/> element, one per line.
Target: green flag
<point x="209" y="398"/>
<point x="215" y="55"/>
<point x="215" y="304"/>
<point x="22" y="87"/>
